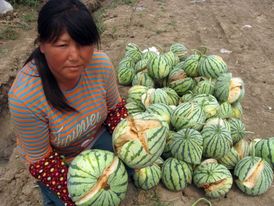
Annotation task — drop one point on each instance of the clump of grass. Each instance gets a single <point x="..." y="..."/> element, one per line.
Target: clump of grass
<point x="98" y="18"/>
<point x="123" y="2"/>
<point x="8" y="33"/>
<point x="32" y="3"/>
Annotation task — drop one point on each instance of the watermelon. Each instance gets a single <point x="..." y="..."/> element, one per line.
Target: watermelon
<point x="125" y="75"/>
<point x="264" y="148"/>
<point x="163" y="110"/>
<point x="212" y="66"/>
<point x="142" y="78"/>
<point x="237" y="110"/>
<point x="254" y="175"/>
<point x="217" y="141"/>
<point x="97" y="177"/>
<point x="139" y="139"/>
<point x="208" y="103"/>
<point x="176" y="174"/>
<point x="187" y="145"/>
<point x="206" y="86"/>
<point x="237" y="129"/>
<point x="147" y="177"/>
<point x="188" y="115"/>
<point x="180" y="50"/>
<point x="153" y="96"/>
<point x="214" y="178"/>
<point x="141" y="65"/>
<point x="135" y="93"/>
<point x="228" y="89"/>
<point x="190" y="65"/>
<point x="158" y="67"/>
<point x="236" y="153"/>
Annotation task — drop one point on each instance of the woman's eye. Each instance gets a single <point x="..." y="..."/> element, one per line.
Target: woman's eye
<point x="61" y="45"/>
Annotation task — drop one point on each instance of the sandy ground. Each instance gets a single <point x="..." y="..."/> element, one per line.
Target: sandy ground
<point x="245" y="28"/>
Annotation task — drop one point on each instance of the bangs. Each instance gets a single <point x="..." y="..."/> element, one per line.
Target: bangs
<point x="77" y="23"/>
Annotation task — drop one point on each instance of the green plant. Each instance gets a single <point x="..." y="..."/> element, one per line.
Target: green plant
<point x="8" y="34"/>
<point x="98" y="17"/>
<point x="26" y="2"/>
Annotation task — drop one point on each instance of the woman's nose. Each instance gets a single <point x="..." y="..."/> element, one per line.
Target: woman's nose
<point x="74" y="53"/>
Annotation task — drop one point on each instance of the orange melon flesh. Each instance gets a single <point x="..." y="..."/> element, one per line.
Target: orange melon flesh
<point x="235" y="89"/>
<point x="101" y="183"/>
<point x="136" y="130"/>
<point x="253" y="175"/>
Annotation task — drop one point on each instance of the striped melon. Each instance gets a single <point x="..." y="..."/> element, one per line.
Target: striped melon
<point x="215" y="179"/>
<point x="171" y="58"/>
<point x="209" y="104"/>
<point x="188" y="115"/>
<point x="153" y="96"/>
<point x="176" y="74"/>
<point x="126" y="62"/>
<point x="225" y="110"/>
<point x="254" y="175"/>
<point x="147" y="177"/>
<point x="158" y="67"/>
<point x="217" y="121"/>
<point x="180" y="50"/>
<point x="206" y="86"/>
<point x="133" y="52"/>
<point x="135" y="93"/>
<point x="187" y="145"/>
<point x="97" y="177"/>
<point x="237" y="129"/>
<point x="186" y="98"/>
<point x="182" y="86"/>
<point x="161" y="109"/>
<point x="229" y="89"/>
<point x="237" y="110"/>
<point x="176" y="174"/>
<point x="125" y="75"/>
<point x="178" y="66"/>
<point x="141" y="65"/>
<point x="264" y="148"/>
<point x="217" y="141"/>
<point x="173" y="97"/>
<point x="142" y="78"/>
<point x="169" y="140"/>
<point x="236" y="153"/>
<point x="132" y="47"/>
<point x="139" y="139"/>
<point x="212" y="66"/>
<point x="190" y="65"/>
<point x="134" y="107"/>
<point x="148" y="55"/>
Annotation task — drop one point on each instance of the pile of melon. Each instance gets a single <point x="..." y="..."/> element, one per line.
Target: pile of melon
<point x="184" y="127"/>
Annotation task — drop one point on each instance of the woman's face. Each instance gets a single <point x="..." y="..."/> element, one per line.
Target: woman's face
<point x="66" y="59"/>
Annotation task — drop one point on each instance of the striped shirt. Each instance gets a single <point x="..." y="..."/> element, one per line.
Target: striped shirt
<point x="40" y="128"/>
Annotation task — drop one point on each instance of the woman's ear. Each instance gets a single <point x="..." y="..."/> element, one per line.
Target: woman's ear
<point x="42" y="48"/>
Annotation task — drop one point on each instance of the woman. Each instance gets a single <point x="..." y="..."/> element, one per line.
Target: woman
<point x="63" y="97"/>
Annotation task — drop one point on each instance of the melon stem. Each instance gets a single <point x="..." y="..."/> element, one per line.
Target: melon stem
<point x="202" y="199"/>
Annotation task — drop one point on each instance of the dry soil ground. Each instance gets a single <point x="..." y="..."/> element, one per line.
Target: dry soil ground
<point x="244" y="28"/>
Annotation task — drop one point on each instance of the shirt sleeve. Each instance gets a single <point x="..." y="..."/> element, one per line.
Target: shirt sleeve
<point x="31" y="130"/>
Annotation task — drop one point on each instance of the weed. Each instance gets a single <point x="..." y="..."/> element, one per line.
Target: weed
<point x="8" y="34"/>
<point x="98" y="17"/>
<point x="116" y="3"/>
<point x="33" y="3"/>
<point x="29" y="17"/>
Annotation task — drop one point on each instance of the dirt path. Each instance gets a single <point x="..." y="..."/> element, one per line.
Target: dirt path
<point x="243" y="27"/>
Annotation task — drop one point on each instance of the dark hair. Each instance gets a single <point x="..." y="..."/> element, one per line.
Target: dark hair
<point x="55" y="17"/>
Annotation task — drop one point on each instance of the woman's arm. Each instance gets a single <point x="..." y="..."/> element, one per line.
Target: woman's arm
<point x="33" y="140"/>
<point x="115" y="104"/>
